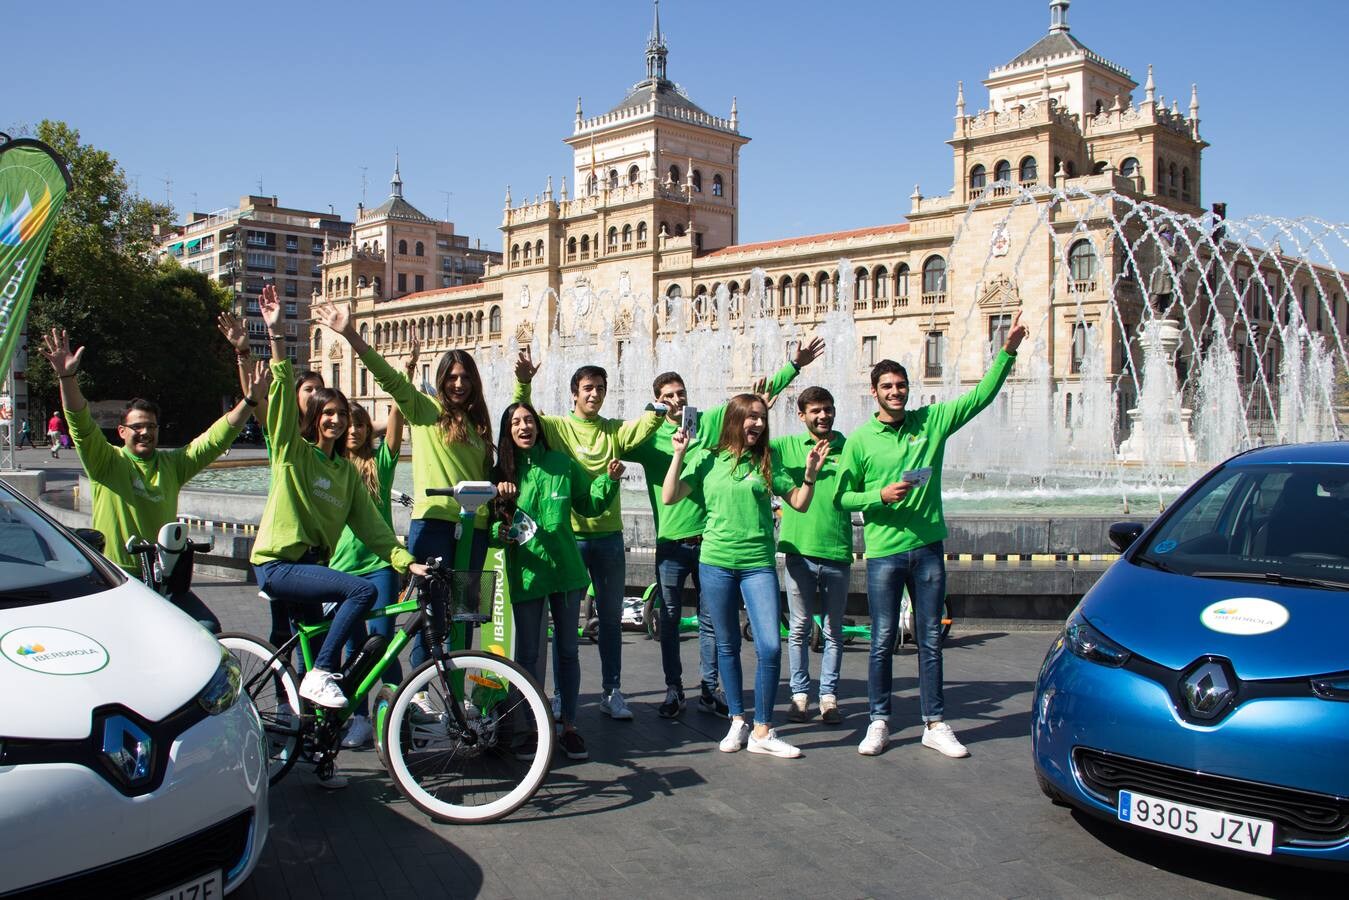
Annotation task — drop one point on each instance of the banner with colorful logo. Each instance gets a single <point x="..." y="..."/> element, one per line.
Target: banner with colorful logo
<point x="33" y="186"/>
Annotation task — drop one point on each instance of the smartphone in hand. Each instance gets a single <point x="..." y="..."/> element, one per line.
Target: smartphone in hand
<point x="689" y="422"/>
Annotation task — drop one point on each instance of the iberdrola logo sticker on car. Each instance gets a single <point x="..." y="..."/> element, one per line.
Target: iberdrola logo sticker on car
<point x="1244" y="615"/>
<point x="53" y="651"/>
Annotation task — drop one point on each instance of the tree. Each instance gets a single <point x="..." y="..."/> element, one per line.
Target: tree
<point x="148" y="326"/>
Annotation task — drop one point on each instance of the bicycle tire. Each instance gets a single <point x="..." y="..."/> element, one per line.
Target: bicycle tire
<point x="651" y="617"/>
<point x="379" y="718"/>
<point x="405" y="740"/>
<point x="267" y="694"/>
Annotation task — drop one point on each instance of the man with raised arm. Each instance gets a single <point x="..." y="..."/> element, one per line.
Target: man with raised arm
<point x="135" y="488"/>
<point x="594" y="441"/>
<point x="891" y="472"/>
<point x="679" y="528"/>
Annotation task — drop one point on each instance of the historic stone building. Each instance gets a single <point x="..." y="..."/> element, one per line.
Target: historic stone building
<point x="651" y="218"/>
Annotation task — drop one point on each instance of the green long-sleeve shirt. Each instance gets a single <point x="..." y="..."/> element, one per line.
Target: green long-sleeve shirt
<point x="877" y="454"/>
<point x="134" y="496"/>
<point x="739" y="533"/>
<point x="552" y="487"/>
<point x="687" y="518"/>
<point x="823" y="530"/>
<point x="594" y="443"/>
<point x="436" y="463"/>
<point x="313" y="495"/>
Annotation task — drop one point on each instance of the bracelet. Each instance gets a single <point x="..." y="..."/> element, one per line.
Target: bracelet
<point x="251" y="402"/>
<point x="64" y="377"/>
<point x="807" y="482"/>
<point x="276" y="337"/>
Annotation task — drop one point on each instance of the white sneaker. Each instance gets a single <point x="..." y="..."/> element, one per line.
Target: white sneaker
<point x="320" y="688"/>
<point x="878" y="736"/>
<point x="420" y="710"/>
<point x="799" y="709"/>
<point x="772" y="745"/>
<point x="735" y="738"/>
<point x="941" y="738"/>
<point x="359" y="733"/>
<point x="614" y="704"/>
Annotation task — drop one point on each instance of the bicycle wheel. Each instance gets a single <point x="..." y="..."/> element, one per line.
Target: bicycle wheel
<point x="270" y="683"/>
<point x="471" y="774"/>
<point x="379" y="718"/>
<point x="651" y="617"/>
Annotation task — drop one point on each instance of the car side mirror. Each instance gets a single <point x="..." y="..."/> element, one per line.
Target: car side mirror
<point x="1123" y="534"/>
<point x="91" y="536"/>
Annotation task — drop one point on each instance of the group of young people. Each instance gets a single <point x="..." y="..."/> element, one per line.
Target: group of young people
<point x="326" y="533"/>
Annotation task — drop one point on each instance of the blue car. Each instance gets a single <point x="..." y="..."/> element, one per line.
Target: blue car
<point x="1200" y="690"/>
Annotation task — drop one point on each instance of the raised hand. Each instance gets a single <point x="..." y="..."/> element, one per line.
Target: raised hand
<point x="1016" y="335"/>
<point x="56" y="348"/>
<point x="234" y="332"/>
<point x="411" y="365"/>
<point x="760" y="389"/>
<point x="336" y="316"/>
<point x="270" y="306"/>
<point x="616" y="469"/>
<point x="808" y="353"/>
<point x="524" y="366"/>
<point x="259" y="379"/>
<point x="679" y="441"/>
<point x="815" y="458"/>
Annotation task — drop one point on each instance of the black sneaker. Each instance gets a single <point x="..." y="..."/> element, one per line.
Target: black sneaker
<point x="573" y="745"/>
<point x="674" y="703"/>
<point x="525" y="750"/>
<point x="714" y="702"/>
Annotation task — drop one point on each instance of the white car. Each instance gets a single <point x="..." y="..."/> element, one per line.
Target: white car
<point x="129" y="763"/>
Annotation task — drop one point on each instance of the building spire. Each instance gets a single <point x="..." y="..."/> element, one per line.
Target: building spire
<point x="1058" y="16"/>
<point x="656" y="50"/>
<point x="579" y="115"/>
<point x="397" y="180"/>
<point x="960" y="99"/>
<point x="1150" y="88"/>
<point x="735" y="113"/>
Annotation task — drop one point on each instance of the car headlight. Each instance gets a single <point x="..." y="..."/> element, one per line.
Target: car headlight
<point x="1086" y="641"/>
<point x="1332" y="687"/>
<point x="223" y="688"/>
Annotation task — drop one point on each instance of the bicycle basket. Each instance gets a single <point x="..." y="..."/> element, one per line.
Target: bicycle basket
<point x="467" y="596"/>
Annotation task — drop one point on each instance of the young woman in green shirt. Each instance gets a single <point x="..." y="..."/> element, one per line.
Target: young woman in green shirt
<point x="738" y="478"/>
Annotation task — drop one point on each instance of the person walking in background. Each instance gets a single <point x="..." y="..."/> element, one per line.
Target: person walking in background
<point x="26" y="435"/>
<point x="54" y="434"/>
<point x="818" y="548"/>
<point x="891" y="472"/>
<point x="738" y="476"/>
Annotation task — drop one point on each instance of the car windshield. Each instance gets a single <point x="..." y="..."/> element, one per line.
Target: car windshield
<point x="1281" y="524"/>
<point x="38" y="563"/>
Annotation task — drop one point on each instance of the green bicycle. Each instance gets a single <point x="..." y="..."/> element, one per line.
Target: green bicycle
<point x="455" y="736"/>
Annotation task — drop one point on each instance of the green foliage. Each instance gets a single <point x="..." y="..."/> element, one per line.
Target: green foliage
<point x="149" y="328"/>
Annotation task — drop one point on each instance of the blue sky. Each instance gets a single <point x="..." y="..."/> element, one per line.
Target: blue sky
<point x="847" y="103"/>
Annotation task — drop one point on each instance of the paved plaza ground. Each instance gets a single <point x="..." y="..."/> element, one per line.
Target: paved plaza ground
<point x="658" y="811"/>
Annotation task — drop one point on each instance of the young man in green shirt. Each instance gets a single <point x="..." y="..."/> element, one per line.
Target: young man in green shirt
<point x="679" y="528"/>
<point x="594" y="441"/>
<point x="817" y="545"/>
<point x="135" y="489"/>
<point x="892" y="473"/>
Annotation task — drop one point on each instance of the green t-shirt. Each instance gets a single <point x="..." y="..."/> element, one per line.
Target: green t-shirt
<point x="739" y="531"/>
<point x="686" y="518"/>
<point x="351" y="556"/>
<point x="823" y="530"/>
<point x="313" y="495"/>
<point x="878" y="453"/>
<point x="134" y="496"/>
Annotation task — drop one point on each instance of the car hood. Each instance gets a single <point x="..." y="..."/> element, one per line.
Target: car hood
<point x="1173" y="619"/>
<point x="127" y="646"/>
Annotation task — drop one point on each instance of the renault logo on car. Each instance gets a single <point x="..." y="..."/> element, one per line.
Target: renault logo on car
<point x="128" y="749"/>
<point x="1207" y="690"/>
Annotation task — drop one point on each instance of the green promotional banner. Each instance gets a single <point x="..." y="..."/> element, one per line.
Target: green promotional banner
<point x="33" y="186"/>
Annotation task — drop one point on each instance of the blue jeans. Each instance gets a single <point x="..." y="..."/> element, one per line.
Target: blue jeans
<point x="435" y="537"/>
<point x="607" y="564"/>
<point x="808" y="579"/>
<point x="386" y="583"/>
<point x="312" y="585"/>
<point x="675" y="562"/>
<point x="923" y="572"/>
<point x="722" y="591"/>
<point x="529" y="623"/>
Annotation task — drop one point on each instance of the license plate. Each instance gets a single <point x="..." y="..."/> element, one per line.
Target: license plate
<point x="203" y="887"/>
<point x="1196" y="823"/>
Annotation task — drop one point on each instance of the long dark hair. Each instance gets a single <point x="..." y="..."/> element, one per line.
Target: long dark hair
<point x="508" y="462"/>
<point x="309" y="417"/>
<point x="363" y="456"/>
<point x="732" y="438"/>
<point x="454" y="419"/>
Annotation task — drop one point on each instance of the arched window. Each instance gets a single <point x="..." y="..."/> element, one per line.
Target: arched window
<point x="673" y="175"/>
<point x="528" y="252"/>
<point x="697" y="179"/>
<point x="1028" y="172"/>
<point x="881" y="281"/>
<point x="822" y="289"/>
<point x="362" y="282"/>
<point x="1185" y="183"/>
<point x="679" y="230"/>
<point x="674" y="293"/>
<point x="346" y="284"/>
<point x="1069" y="169"/>
<point x="718" y="188"/>
<point x="641" y="232"/>
<point x="420" y="249"/>
<point x="700" y="304"/>
<point x="613" y="179"/>
<point x="330" y="285"/>
<point x="592" y="185"/>
<point x="978" y="178"/>
<point x="376" y="249"/>
<point x="318" y="340"/>
<point x="861" y="282"/>
<point x="934" y="276"/>
<point x="403" y="248"/>
<point x="902" y="281"/>
<point x="1129" y="167"/>
<point x="1082" y="261"/>
<point x="613" y="238"/>
<point x="440" y="328"/>
<point x="478" y="327"/>
<point x="494" y="320"/>
<point x="1068" y="410"/>
<point x="803" y="291"/>
<point x="515" y="254"/>
<point x="378" y="285"/>
<point x="785" y="293"/>
<point x="459" y="326"/>
<point x="627" y="237"/>
<point x="1002" y="171"/>
<point x="538" y="250"/>
<point x="585" y="245"/>
<point x="571" y="248"/>
<point x="634" y="174"/>
<point x="1079" y="348"/>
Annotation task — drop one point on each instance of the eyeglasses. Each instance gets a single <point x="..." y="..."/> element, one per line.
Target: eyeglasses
<point x="139" y="427"/>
